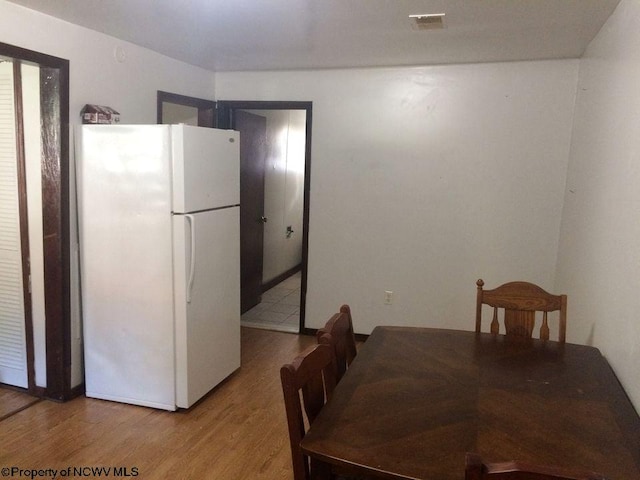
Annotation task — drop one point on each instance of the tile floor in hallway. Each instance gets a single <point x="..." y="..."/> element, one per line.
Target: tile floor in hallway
<point x="279" y="309"/>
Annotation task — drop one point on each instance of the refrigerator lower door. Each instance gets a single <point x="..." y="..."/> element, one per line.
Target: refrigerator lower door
<point x="207" y="301"/>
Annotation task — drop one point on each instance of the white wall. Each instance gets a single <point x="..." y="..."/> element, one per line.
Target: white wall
<point x="599" y="258"/>
<point x="96" y="77"/>
<point x="283" y="190"/>
<point x="425" y="179"/>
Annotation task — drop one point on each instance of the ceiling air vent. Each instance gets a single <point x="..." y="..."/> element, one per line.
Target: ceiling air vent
<point x="430" y="21"/>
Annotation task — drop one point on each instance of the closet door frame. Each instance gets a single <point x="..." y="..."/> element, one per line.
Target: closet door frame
<point x="54" y="109"/>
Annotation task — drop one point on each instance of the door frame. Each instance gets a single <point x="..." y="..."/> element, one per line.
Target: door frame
<point x="225" y="118"/>
<point x="54" y="109"/>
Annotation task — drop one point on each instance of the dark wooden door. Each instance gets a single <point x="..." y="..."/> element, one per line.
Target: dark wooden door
<point x="253" y="138"/>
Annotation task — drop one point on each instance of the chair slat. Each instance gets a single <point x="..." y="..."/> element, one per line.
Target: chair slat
<point x="544" y="329"/>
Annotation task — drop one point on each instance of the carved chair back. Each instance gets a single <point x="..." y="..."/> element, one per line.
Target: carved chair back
<point x="521" y="301"/>
<point x="312" y="374"/>
<point x="338" y="333"/>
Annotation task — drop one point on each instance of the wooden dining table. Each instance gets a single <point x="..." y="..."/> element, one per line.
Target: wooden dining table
<point x="415" y="400"/>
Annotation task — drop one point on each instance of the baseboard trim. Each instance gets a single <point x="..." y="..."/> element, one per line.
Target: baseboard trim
<point x="280" y="278"/>
<point x="360" y="337"/>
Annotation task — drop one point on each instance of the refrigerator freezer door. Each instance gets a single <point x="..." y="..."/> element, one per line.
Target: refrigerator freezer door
<point x="124" y="198"/>
<point x="206" y="168"/>
<point x="207" y="326"/>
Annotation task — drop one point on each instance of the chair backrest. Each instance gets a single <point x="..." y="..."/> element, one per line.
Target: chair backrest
<point x="313" y="373"/>
<point x="521" y="301"/>
<point x="476" y="469"/>
<point x="338" y="333"/>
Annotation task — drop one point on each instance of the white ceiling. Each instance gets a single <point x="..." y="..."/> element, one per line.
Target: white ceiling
<point x="227" y="35"/>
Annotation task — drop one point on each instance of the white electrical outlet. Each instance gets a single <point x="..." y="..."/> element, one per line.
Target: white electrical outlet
<point x="388" y="297"/>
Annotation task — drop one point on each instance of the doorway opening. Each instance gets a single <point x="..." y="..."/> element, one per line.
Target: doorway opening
<point x="275" y="150"/>
<point x="173" y="108"/>
<point x="272" y="151"/>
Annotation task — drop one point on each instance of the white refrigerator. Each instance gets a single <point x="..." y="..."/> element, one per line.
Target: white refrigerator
<point x="159" y="240"/>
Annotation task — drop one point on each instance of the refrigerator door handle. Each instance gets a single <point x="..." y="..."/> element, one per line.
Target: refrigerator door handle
<point x="192" y="264"/>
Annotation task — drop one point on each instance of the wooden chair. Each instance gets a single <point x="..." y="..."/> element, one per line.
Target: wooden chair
<point x="475" y="469"/>
<point x="338" y="333"/>
<point x="313" y="373"/>
<point x="521" y="301"/>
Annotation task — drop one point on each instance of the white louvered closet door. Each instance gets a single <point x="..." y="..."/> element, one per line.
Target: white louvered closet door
<point x="13" y="352"/>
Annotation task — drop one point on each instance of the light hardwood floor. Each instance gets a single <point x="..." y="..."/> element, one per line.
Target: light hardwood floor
<point x="12" y="401"/>
<point x="237" y="432"/>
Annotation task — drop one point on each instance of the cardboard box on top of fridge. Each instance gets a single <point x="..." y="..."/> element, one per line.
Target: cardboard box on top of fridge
<point x="92" y="114"/>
